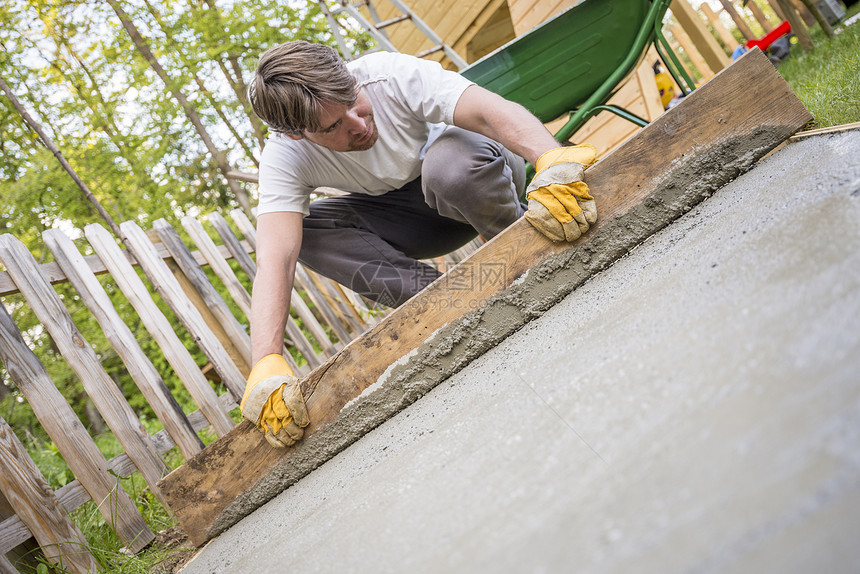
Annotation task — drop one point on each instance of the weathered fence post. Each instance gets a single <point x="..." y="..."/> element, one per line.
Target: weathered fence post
<point x="206" y="299"/>
<point x="37" y="506"/>
<point x="82" y="359"/>
<point x="168" y="287"/>
<point x="701" y="38"/>
<point x="122" y="340"/>
<point x="159" y="327"/>
<point x="70" y="437"/>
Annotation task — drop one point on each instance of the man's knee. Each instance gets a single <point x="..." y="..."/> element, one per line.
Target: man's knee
<point x="456" y="159"/>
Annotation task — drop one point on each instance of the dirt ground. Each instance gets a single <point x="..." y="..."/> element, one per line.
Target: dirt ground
<point x="180" y="550"/>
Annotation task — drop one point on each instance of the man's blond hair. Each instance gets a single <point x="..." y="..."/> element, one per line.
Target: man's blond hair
<point x="292" y="82"/>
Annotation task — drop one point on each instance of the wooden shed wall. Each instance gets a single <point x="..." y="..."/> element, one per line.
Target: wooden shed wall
<point x="472" y="28"/>
<point x="476" y="28"/>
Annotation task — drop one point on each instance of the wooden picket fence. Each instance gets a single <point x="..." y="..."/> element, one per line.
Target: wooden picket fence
<point x="331" y="316"/>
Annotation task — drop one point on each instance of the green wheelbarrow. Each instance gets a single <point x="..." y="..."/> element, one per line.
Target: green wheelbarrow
<point x="574" y="62"/>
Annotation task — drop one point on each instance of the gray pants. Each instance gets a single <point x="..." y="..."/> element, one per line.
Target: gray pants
<point x="469" y="185"/>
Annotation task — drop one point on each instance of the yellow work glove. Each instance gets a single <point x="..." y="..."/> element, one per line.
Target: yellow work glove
<point x="560" y="205"/>
<point x="273" y="401"/>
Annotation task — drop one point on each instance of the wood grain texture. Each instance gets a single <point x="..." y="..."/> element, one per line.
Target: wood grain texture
<point x="171" y="291"/>
<point x="241" y="296"/>
<point x="759" y="15"/>
<point x="141" y="369"/>
<point x="803" y="12"/>
<point x="737" y="19"/>
<point x="82" y="359"/>
<point x="526" y="14"/>
<point x="677" y="160"/>
<point x="37" y="506"/>
<point x="457" y="22"/>
<point x="496" y="31"/>
<point x="297" y="304"/>
<point x="357" y="305"/>
<point x="247" y="229"/>
<point x="211" y="301"/>
<point x="23" y="555"/>
<point x="701" y="38"/>
<point x="797" y="24"/>
<point x="52" y="272"/>
<point x="492" y="17"/>
<point x="302" y="282"/>
<point x="159" y="327"/>
<point x="218" y="264"/>
<point x="730" y="42"/>
<point x="6" y="567"/>
<point x="333" y="298"/>
<point x="70" y="437"/>
<point x="232" y="243"/>
<point x="73" y="495"/>
<point x="311" y="323"/>
<point x="341" y="308"/>
<point x="699" y="63"/>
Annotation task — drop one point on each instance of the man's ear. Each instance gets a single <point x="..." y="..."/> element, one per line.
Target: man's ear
<point x="294" y="136"/>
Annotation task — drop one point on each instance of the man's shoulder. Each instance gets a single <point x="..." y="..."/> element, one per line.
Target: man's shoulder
<point x="384" y="63"/>
<point x="277" y="145"/>
<point x="284" y="153"/>
<point x="379" y="58"/>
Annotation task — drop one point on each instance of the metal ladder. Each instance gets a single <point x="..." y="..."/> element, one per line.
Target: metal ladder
<point x="377" y="29"/>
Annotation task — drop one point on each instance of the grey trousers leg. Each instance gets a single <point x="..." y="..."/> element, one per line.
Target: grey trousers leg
<point x="372" y="244"/>
<point x="475" y="180"/>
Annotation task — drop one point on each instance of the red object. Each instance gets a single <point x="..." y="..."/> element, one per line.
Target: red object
<point x="765" y="41"/>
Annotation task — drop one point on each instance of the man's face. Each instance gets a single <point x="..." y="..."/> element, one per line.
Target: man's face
<point x="345" y="128"/>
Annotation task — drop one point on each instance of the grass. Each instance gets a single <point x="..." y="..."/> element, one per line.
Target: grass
<point x="827" y="79"/>
<point x="170" y="547"/>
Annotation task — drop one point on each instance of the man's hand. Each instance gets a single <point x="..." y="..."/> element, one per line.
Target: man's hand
<point x="273" y="401"/>
<point x="560" y="205"/>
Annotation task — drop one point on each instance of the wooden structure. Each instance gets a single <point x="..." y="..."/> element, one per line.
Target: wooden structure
<point x="325" y="318"/>
<point x="475" y="29"/>
<point x="721" y="121"/>
<point x="472" y="29"/>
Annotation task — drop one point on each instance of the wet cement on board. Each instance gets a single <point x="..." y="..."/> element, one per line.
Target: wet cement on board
<point x="693" y="409"/>
<point x="691" y="180"/>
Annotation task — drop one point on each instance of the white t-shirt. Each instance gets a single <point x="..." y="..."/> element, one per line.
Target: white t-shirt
<point x="408" y="96"/>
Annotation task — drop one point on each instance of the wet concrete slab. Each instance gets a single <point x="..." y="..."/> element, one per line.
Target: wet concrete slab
<point x="694" y="408"/>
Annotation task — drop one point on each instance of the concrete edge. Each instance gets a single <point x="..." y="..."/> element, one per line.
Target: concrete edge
<point x="452" y="347"/>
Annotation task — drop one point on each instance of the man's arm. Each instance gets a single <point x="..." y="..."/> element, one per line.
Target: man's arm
<point x="560" y="205"/>
<point x="273" y="398"/>
<point x="279" y="237"/>
<point x="480" y="110"/>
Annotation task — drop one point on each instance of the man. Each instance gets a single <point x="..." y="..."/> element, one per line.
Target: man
<point x="430" y="160"/>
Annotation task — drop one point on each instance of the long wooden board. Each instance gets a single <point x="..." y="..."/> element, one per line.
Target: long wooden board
<point x="685" y="155"/>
